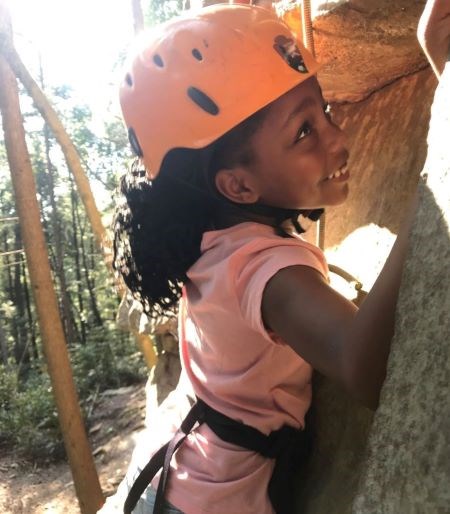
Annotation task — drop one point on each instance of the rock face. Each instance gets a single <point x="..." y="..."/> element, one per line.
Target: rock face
<point x="387" y="142"/>
<point x="370" y="46"/>
<point x="408" y="466"/>
<point x="328" y="483"/>
<point x="366" y="44"/>
<point x="408" y="469"/>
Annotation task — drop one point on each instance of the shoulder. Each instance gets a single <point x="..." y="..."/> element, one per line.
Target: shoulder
<point x="253" y="245"/>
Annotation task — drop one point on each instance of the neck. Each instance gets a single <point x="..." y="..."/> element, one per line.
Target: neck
<point x="285" y="221"/>
<point x="233" y="214"/>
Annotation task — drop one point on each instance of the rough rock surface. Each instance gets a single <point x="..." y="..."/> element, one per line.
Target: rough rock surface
<point x="328" y="483"/>
<point x="408" y="468"/>
<point x="387" y="142"/>
<point x="366" y="44"/>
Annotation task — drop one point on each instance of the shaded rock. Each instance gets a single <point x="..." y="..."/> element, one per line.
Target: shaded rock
<point x="408" y="469"/>
<point x="329" y="481"/>
<point x="387" y="139"/>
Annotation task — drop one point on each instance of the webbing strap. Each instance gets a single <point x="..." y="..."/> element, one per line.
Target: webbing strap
<point x="161" y="459"/>
<point x="288" y="446"/>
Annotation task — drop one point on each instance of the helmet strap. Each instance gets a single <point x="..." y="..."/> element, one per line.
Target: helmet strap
<point x="201" y="183"/>
<point x="278" y="214"/>
<point x="281" y="215"/>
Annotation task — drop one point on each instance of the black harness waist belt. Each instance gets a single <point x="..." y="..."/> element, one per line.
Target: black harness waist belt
<point x="288" y="446"/>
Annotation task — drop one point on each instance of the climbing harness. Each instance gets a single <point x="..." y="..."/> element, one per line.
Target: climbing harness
<point x="288" y="446"/>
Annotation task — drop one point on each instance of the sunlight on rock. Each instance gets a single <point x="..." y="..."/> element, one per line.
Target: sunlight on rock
<point x="362" y="254"/>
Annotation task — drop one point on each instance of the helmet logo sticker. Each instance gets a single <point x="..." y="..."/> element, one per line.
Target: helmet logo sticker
<point x="290" y="52"/>
<point x="203" y="100"/>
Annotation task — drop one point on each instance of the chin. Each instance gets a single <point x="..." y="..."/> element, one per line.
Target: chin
<point x="340" y="198"/>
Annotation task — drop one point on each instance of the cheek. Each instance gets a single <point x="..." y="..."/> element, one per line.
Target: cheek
<point x="337" y="195"/>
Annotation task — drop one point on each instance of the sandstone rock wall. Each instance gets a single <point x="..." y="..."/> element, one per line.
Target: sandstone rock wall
<point x="404" y="469"/>
<point x="387" y="141"/>
<point x="366" y="44"/>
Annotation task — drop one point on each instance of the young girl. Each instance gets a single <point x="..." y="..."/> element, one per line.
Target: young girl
<point x="224" y="110"/>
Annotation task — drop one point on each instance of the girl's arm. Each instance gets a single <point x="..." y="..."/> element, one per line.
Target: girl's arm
<point x="329" y="332"/>
<point x="324" y="328"/>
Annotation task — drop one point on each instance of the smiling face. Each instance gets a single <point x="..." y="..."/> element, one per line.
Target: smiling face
<point x="300" y="158"/>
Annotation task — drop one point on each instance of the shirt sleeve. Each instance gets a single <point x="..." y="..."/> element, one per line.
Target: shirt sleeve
<point x="264" y="260"/>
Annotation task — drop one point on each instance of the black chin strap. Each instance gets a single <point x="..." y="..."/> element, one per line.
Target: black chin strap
<point x="200" y="182"/>
<point x="280" y="215"/>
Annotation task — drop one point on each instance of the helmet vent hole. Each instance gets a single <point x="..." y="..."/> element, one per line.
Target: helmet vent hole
<point x="136" y="147"/>
<point x="157" y="59"/>
<point x="129" y="80"/>
<point x="196" y="53"/>
<point x="203" y="100"/>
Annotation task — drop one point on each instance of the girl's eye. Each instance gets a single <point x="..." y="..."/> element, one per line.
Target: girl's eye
<point x="304" y="131"/>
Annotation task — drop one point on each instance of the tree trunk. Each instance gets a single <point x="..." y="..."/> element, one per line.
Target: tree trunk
<point x="68" y="148"/>
<point x="31" y="328"/>
<point x="74" y="164"/>
<point x="138" y="17"/>
<point x="10" y="284"/>
<point x="67" y="315"/>
<point x="90" y="288"/>
<point x="75" y="243"/>
<point x="3" y="343"/>
<point x="21" y="347"/>
<point x="75" y="439"/>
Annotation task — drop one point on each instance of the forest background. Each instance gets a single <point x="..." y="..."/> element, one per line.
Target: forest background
<point x="78" y="67"/>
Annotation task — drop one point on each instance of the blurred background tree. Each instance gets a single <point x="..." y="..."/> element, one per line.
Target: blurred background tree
<point x="102" y="356"/>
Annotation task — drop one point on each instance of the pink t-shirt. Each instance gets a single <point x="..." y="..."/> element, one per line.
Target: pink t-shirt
<point x="237" y="367"/>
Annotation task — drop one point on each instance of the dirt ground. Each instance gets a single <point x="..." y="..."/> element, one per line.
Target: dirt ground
<point x="118" y="417"/>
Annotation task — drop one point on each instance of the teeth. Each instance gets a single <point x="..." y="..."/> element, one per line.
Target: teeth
<point x="338" y="173"/>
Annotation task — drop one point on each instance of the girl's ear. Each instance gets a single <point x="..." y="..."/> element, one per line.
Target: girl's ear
<point x="237" y="185"/>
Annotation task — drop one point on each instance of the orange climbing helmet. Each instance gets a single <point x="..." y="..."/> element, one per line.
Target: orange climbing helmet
<point x="195" y="77"/>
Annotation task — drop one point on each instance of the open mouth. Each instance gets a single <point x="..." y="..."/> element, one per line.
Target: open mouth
<point x="341" y="174"/>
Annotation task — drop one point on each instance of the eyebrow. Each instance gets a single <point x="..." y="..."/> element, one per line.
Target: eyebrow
<point x="304" y="104"/>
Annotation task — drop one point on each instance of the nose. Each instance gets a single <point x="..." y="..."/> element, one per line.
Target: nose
<point x="335" y="142"/>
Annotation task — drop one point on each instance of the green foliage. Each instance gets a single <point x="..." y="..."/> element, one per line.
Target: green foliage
<point x="28" y="418"/>
<point x="159" y="11"/>
<point x="109" y="361"/>
<point x="102" y="357"/>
